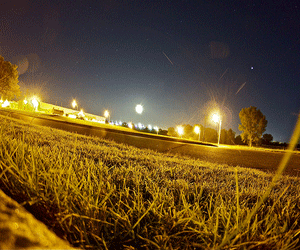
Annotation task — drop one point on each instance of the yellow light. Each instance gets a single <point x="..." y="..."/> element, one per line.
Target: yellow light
<point x="106" y="113"/>
<point x="5" y="104"/>
<point x="25" y="101"/>
<point x="1" y="101"/>
<point x="216" y="118"/>
<point x="72" y="116"/>
<point x="35" y="103"/>
<point x="81" y="114"/>
<point x="139" y="108"/>
<point x="74" y="104"/>
<point x="180" y="130"/>
<point x="197" y="129"/>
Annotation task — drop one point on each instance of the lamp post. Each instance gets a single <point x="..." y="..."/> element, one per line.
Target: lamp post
<point x="156" y="129"/>
<point x="217" y="119"/>
<point x="35" y="103"/>
<point x="107" y="115"/>
<point x="197" y="131"/>
<point x="74" y="104"/>
<point x="180" y="130"/>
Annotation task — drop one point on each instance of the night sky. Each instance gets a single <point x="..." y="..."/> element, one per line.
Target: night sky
<point x="176" y="58"/>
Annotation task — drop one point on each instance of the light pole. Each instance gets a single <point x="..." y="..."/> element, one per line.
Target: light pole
<point x="197" y="131"/>
<point x="180" y="130"/>
<point x="74" y="104"/>
<point x="217" y="118"/>
<point x="107" y="115"/>
<point x="156" y="129"/>
<point x="35" y="103"/>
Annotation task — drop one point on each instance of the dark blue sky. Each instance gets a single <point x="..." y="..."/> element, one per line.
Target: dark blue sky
<point x="174" y="57"/>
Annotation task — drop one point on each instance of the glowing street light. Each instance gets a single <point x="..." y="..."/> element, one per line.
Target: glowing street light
<point x="5" y="104"/>
<point x="197" y="131"/>
<point x="156" y="129"/>
<point x="139" y="109"/>
<point x="217" y="119"/>
<point x="130" y="125"/>
<point x="107" y="115"/>
<point x="81" y="114"/>
<point x="180" y="130"/>
<point x="74" y="104"/>
<point x="35" y="103"/>
<point x="140" y="125"/>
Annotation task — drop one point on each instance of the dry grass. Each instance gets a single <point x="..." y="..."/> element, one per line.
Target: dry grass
<point x="103" y="195"/>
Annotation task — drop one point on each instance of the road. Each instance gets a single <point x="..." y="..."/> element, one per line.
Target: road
<point x="264" y="160"/>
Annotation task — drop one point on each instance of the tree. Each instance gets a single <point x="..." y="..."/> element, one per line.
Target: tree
<point x="267" y="138"/>
<point x="238" y="140"/>
<point x="172" y="132"/>
<point x="9" y="75"/>
<point x="188" y="131"/>
<point x="230" y="136"/>
<point x="253" y="125"/>
<point x="211" y="135"/>
<point x="227" y="136"/>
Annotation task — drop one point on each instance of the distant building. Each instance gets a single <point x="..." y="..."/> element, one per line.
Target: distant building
<point x="58" y="110"/>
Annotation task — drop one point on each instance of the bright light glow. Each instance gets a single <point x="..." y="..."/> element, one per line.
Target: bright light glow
<point x="130" y="125"/>
<point x="72" y="116"/>
<point x="140" y="125"/>
<point x="106" y="114"/>
<point x="120" y="123"/>
<point x="1" y="101"/>
<point x="25" y="101"/>
<point x="74" y="104"/>
<point x="35" y="103"/>
<point x="81" y="113"/>
<point x="5" y="104"/>
<point x="156" y="128"/>
<point x="216" y="118"/>
<point x="180" y="130"/>
<point x="139" y="109"/>
<point x="150" y="127"/>
<point x="197" y="129"/>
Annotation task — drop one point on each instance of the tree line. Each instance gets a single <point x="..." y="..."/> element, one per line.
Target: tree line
<point x="253" y="125"/>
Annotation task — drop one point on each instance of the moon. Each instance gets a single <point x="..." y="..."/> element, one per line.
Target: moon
<point x="139" y="108"/>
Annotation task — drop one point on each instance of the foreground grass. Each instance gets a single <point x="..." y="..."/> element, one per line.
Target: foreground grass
<point x="103" y="195"/>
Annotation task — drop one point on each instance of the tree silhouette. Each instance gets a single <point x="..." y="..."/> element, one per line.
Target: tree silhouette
<point x="253" y="125"/>
<point x="9" y="75"/>
<point x="266" y="139"/>
<point x="238" y="140"/>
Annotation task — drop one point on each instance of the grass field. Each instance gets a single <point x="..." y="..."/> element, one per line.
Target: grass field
<point x="98" y="194"/>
